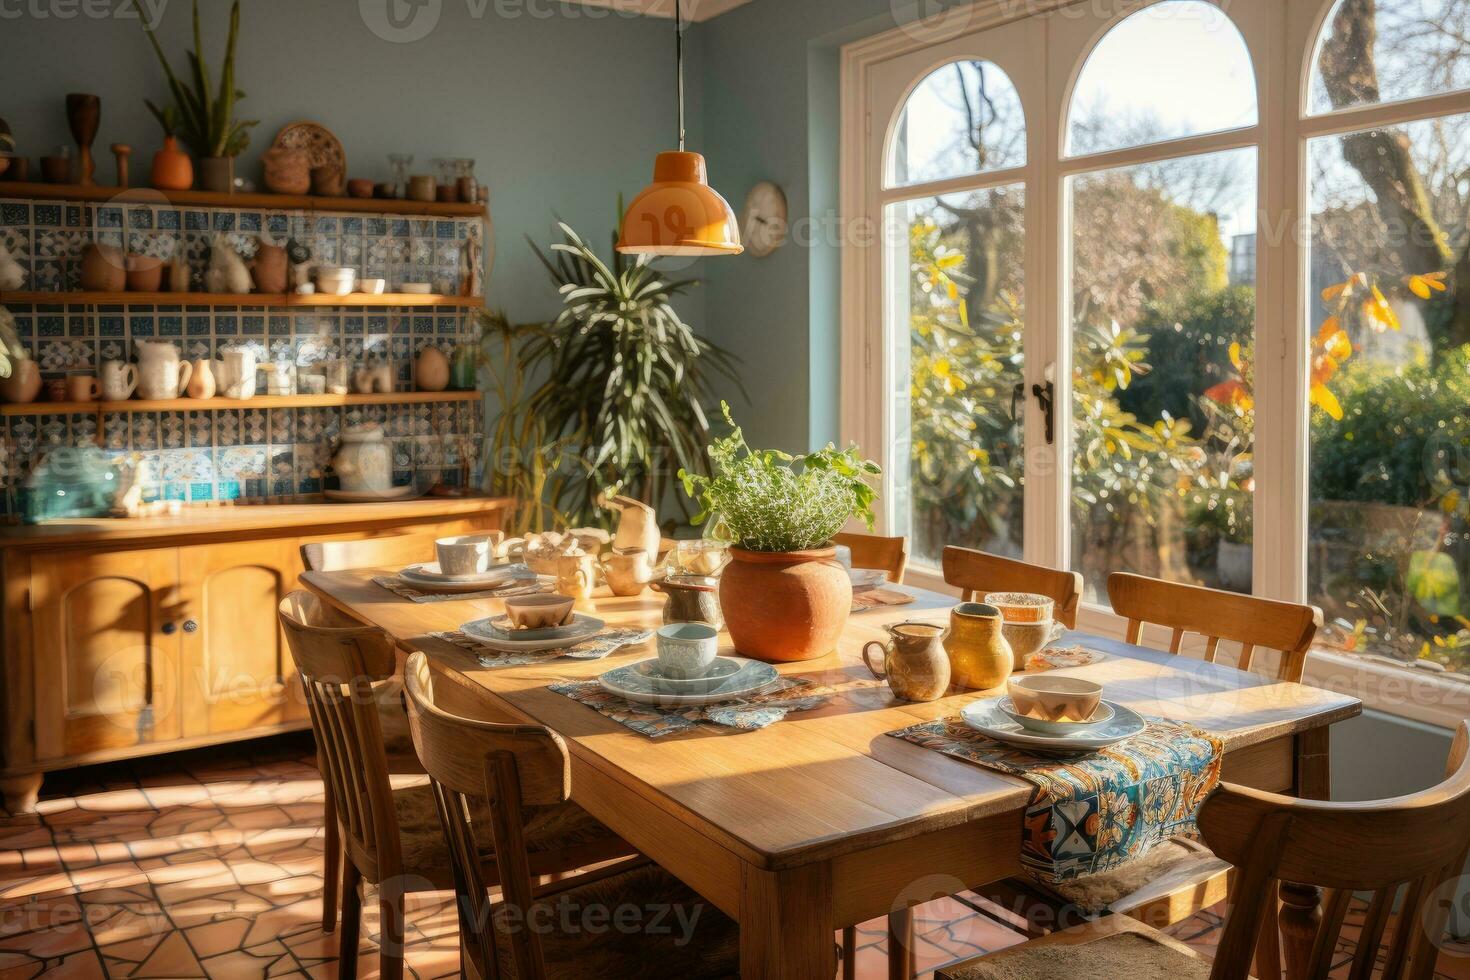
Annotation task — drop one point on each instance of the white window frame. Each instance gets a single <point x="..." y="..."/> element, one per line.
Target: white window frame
<point x="1281" y="36"/>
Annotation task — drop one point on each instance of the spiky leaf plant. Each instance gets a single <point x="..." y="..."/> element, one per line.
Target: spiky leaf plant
<point x="203" y="118"/>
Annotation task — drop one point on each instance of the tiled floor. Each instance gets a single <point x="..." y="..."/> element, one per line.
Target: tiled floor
<point x="208" y="864"/>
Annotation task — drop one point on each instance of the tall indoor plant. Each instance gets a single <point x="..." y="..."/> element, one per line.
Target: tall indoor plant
<point x="625" y="383"/>
<point x="784" y="595"/>
<point x="204" y="117"/>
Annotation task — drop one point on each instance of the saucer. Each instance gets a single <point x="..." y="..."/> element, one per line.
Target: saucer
<point x="720" y="670"/>
<point x="1102" y="714"/>
<point x="482" y="631"/>
<point x="985" y="717"/>
<point x="580" y="627"/>
<point x="635" y="684"/>
<point x="428" y="573"/>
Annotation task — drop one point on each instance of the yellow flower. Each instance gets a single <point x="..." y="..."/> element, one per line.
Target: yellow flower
<point x="1423" y="286"/>
<point x="1377" y="309"/>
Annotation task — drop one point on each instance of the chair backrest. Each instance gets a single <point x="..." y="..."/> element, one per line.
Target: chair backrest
<point x="339" y="660"/>
<point x="1410" y="847"/>
<point x="392" y="551"/>
<point x="976" y="573"/>
<point x="509" y="766"/>
<point x="1216" y="615"/>
<point x="875" y="551"/>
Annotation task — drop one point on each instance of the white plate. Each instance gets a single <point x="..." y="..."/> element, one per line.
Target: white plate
<point x="628" y="682"/>
<point x="986" y="717"/>
<point x="482" y="631"/>
<point x="866" y="578"/>
<point x="370" y="496"/>
<point x="1101" y="715"/>
<point x="581" y="627"/>
<point x="428" y="573"/>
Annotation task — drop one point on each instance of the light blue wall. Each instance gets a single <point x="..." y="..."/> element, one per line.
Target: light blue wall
<point x="562" y="107"/>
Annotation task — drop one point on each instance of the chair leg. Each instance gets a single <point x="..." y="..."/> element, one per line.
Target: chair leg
<point x="331" y="861"/>
<point x="901" y="944"/>
<point x="348" y="935"/>
<point x="1268" y="945"/>
<point x="390" y="915"/>
<point x="849" y="953"/>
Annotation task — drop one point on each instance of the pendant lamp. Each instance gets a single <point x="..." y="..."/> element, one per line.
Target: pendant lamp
<point x="679" y="213"/>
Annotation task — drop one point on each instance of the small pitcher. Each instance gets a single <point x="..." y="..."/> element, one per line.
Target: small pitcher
<point x="915" y="664"/>
<point x="576" y="575"/>
<point x="119" y="380"/>
<point x="979" y="656"/>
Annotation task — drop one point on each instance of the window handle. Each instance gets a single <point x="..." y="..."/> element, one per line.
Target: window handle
<point x="1045" y="398"/>
<point x="1018" y="393"/>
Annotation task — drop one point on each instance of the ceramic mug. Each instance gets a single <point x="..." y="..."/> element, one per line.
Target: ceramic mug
<point x="627" y="572"/>
<point x="1026" y="638"/>
<point x="82" y="388"/>
<point x="576" y="575"/>
<point x="466" y="554"/>
<point x="119" y="380"/>
<point x="915" y="664"/>
<point x="687" y="650"/>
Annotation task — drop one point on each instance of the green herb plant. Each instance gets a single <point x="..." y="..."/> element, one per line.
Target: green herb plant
<point x="768" y="500"/>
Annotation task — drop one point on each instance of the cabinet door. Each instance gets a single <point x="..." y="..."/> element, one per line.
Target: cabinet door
<point x="106" y="650"/>
<point x="237" y="672"/>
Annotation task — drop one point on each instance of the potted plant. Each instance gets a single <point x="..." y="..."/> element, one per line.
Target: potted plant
<point x="204" y="118"/>
<point x="172" y="168"/>
<point x="784" y="595"/>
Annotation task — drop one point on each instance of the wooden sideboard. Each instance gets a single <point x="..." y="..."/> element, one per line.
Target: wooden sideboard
<point x="139" y="636"/>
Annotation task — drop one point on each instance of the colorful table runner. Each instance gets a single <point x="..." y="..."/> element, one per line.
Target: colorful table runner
<point x="593" y="648"/>
<point x="746" y="714"/>
<point x="522" y="585"/>
<point x="1091" y="813"/>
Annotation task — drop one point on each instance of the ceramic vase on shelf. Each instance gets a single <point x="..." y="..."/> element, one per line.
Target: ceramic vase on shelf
<point x="217" y="174"/>
<point x="979" y="656"/>
<point x="24" y="384"/>
<point x="785" y="605"/>
<point x="431" y="373"/>
<point x="201" y="379"/>
<point x="104" y="269"/>
<point x="172" y="168"/>
<point x="364" y="463"/>
<point x="162" y="372"/>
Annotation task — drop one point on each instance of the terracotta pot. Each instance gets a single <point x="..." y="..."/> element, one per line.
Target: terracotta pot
<point x="24" y="384"/>
<point x="432" y="371"/>
<point x="269" y="268"/>
<point x="145" y="274"/>
<point x="56" y="169"/>
<point x="217" y="174"/>
<point x="785" y="606"/>
<point x="104" y="269"/>
<point x="172" y="168"/>
<point x="328" y="181"/>
<point x="286" y="171"/>
<point x="979" y="656"/>
<point x="359" y="187"/>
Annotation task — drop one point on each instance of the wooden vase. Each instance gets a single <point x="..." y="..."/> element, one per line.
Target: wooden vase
<point x="172" y="168"/>
<point x="83" y="113"/>
<point x="785" y="606"/>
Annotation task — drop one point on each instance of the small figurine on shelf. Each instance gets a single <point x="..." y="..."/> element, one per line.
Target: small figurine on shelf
<point x="227" y="272"/>
<point x="120" y="153"/>
<point x="12" y="276"/>
<point x="179" y="276"/>
<point x="299" y="256"/>
<point x="472" y="264"/>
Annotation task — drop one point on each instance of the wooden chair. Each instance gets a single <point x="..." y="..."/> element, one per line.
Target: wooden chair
<point x="873" y="551"/>
<point x="976" y="573"/>
<point x="513" y="770"/>
<point x="1401" y="851"/>
<point x="390" y="837"/>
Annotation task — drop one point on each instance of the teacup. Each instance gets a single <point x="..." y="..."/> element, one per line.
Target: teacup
<point x="687" y="649"/>
<point x="1026" y="638"/>
<point x="531" y="612"/>
<point x="1052" y="698"/>
<point x="466" y="554"/>
<point x="1021" y="607"/>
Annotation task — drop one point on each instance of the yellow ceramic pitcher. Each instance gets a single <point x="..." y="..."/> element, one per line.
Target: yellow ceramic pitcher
<point x="979" y="656"/>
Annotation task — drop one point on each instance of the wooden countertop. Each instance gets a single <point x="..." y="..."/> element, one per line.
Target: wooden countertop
<point x="241" y="517"/>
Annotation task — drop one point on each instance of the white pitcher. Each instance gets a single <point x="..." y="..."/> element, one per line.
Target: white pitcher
<point x="235" y="376"/>
<point x="119" y="380"/>
<point x="162" y="373"/>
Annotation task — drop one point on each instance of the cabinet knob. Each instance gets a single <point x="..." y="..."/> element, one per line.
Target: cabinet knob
<point x="190" y="626"/>
<point x="169" y="629"/>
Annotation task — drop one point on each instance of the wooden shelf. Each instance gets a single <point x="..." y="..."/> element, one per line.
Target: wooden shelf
<point x="206" y="199"/>
<point x="271" y="300"/>
<point x="221" y="404"/>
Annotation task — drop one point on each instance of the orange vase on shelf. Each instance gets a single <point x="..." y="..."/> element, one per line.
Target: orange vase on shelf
<point x="172" y="168"/>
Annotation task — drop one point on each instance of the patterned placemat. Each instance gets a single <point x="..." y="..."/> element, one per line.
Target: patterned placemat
<point x="746" y="714"/>
<point x="1094" y="812"/>
<point x="525" y="583"/>
<point x="1054" y="658"/>
<point x="873" y="598"/>
<point x="594" y="648"/>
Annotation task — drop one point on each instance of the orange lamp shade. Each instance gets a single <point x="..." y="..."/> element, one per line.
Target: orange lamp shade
<point x="679" y="213"/>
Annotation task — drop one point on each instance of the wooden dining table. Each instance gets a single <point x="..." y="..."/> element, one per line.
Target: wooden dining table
<point x="822" y="820"/>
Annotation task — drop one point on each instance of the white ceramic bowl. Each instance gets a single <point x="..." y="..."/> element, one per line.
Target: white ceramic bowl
<point x="374" y="287"/>
<point x="415" y="287"/>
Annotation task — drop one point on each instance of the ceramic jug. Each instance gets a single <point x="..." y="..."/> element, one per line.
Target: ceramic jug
<point x="692" y="599"/>
<point x="24" y="384"/>
<point x="119" y="380"/>
<point x="235" y="372"/>
<point x="637" y="525"/>
<point x="162" y="373"/>
<point x="576" y="575"/>
<point x="627" y="572"/>
<point x="979" y="656"/>
<point x="915" y="664"/>
<point x="364" y="463"/>
<point x="202" y="383"/>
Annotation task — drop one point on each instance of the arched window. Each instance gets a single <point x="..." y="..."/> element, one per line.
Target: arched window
<point x="1388" y="328"/>
<point x="1172" y="70"/>
<point x="1162" y="301"/>
<point x="963" y="118"/>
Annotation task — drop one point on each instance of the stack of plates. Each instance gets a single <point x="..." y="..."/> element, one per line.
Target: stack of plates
<point x="496" y="633"/>
<point x="996" y="717"/>
<point x="728" y="678"/>
<point x="426" y="576"/>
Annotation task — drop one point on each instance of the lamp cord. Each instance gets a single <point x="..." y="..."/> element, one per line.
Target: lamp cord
<point x="679" y="62"/>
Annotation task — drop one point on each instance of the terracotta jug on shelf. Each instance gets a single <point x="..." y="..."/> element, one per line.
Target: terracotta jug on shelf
<point x="24" y="384"/>
<point x="172" y="168"/>
<point x="104" y="269"/>
<point x="201" y="379"/>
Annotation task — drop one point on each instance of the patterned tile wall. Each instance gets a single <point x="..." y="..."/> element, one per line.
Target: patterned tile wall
<point x="240" y="452"/>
